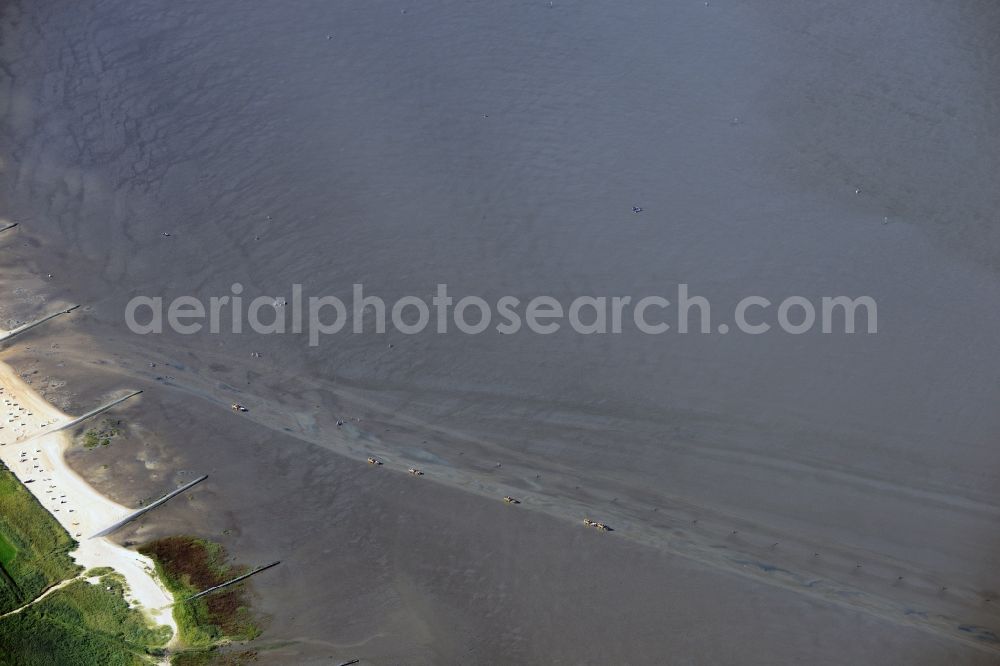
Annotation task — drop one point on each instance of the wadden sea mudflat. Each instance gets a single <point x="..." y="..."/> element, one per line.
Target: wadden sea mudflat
<point x="773" y="498"/>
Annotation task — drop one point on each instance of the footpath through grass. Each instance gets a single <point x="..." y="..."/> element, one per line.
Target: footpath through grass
<point x="82" y="624"/>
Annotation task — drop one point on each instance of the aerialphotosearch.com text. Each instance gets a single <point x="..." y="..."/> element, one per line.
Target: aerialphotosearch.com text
<point x="319" y="316"/>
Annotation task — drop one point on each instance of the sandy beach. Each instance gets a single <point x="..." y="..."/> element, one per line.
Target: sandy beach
<point x="37" y="458"/>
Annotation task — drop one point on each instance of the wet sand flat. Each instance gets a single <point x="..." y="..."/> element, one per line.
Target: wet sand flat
<point x="390" y="568"/>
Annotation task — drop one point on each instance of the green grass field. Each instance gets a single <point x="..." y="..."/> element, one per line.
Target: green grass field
<point x="7" y="552"/>
<point x="83" y="625"/>
<point x="34" y="548"/>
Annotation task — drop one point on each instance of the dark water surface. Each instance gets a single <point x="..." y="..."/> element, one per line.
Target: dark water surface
<point x="499" y="147"/>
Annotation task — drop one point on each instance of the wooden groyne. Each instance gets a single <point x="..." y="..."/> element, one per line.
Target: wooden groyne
<point x="94" y="412"/>
<point x="135" y="514"/>
<point x="25" y="327"/>
<point x="232" y="582"/>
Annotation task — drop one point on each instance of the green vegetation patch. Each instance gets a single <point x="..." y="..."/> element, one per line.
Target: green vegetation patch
<point x="34" y="548"/>
<point x="7" y="552"/>
<point x="98" y="571"/>
<point x="188" y="565"/>
<point x="214" y="658"/>
<point x="81" y="625"/>
<point x="103" y="435"/>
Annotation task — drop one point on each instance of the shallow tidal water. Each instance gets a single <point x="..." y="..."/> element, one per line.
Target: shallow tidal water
<point x="499" y="147"/>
